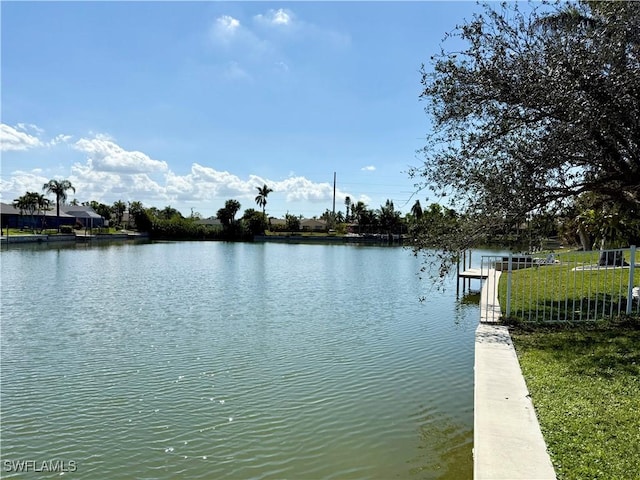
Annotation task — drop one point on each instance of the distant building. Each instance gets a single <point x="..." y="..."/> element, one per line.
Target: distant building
<point x="12" y="217"/>
<point x="84" y="216"/>
<point x="313" y="225"/>
<point x="277" y="223"/>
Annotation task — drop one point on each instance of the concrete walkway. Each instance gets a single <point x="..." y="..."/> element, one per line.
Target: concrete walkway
<point x="508" y="443"/>
<point x="489" y="305"/>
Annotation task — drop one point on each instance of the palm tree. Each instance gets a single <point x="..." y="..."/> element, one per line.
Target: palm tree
<point x="140" y="217"/>
<point x="168" y="212"/>
<point x="357" y="210"/>
<point x="261" y="198"/>
<point x="42" y="205"/>
<point x="389" y="217"/>
<point x="347" y="204"/>
<point x="26" y="204"/>
<point x="59" y="188"/>
<point x="30" y="203"/>
<point x="119" y="207"/>
<point x="227" y="214"/>
<point x="416" y="210"/>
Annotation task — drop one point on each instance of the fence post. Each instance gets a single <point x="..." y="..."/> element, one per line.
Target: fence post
<point x="509" y="267"/>
<point x="458" y="277"/>
<point x="632" y="265"/>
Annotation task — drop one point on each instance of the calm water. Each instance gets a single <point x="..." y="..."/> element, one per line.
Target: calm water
<point x="213" y="360"/>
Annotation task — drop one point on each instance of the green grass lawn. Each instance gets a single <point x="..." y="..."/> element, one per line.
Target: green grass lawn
<point x="559" y="292"/>
<point x="585" y="385"/>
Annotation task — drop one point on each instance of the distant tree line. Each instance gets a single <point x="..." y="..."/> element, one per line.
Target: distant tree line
<point x="589" y="221"/>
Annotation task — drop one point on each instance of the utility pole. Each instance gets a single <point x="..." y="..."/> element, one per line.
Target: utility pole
<point x="333" y="217"/>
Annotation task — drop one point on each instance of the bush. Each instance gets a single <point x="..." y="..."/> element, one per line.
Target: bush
<point x="66" y="229"/>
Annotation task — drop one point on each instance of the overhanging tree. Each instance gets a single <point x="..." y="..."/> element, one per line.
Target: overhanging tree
<point x="540" y="106"/>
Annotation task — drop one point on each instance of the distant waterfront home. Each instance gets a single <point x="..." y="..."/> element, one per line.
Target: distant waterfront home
<point x="128" y="220"/>
<point x="313" y="225"/>
<point x="277" y="223"/>
<point x="84" y="216"/>
<point x="12" y="217"/>
<point x="212" y="222"/>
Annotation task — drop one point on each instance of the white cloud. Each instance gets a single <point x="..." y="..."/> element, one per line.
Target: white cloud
<point x="285" y="20"/>
<point x="61" y="138"/>
<point x="12" y="139"/>
<point x="266" y="42"/>
<point x="106" y="155"/>
<point x="280" y="17"/>
<point x="229" y="33"/>
<point x="366" y="199"/>
<point x="111" y="173"/>
<point x="18" y="138"/>
<point x="225" y="28"/>
<point x="109" y="186"/>
<point x="368" y="168"/>
<point x="21" y="182"/>
<point x="206" y="183"/>
<point x="26" y="127"/>
<point x="297" y="30"/>
<point x="298" y="189"/>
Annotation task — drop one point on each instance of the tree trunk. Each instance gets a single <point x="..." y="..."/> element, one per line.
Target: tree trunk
<point x="584" y="239"/>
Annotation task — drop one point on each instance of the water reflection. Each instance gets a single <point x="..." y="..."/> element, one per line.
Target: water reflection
<point x="201" y="360"/>
<point x="452" y="440"/>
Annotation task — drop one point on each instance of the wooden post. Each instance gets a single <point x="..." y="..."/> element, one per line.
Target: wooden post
<point x="464" y="268"/>
<point x="458" y="278"/>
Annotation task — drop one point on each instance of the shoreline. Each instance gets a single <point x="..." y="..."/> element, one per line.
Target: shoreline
<point x="331" y="239"/>
<point x="68" y="238"/>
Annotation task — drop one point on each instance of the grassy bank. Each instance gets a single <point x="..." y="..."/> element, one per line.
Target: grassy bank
<point x="566" y="290"/>
<point x="585" y="385"/>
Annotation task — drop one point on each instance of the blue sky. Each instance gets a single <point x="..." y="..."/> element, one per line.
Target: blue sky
<point x="190" y="104"/>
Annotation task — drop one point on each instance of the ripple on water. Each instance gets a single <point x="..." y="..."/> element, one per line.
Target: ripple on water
<point x="347" y="376"/>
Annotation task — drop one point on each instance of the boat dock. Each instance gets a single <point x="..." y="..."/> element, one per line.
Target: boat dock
<point x="477" y="273"/>
<point x="467" y="273"/>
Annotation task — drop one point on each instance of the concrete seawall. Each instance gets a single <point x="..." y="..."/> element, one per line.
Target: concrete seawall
<point x="508" y="442"/>
<point x="37" y="238"/>
<point x="14" y="239"/>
